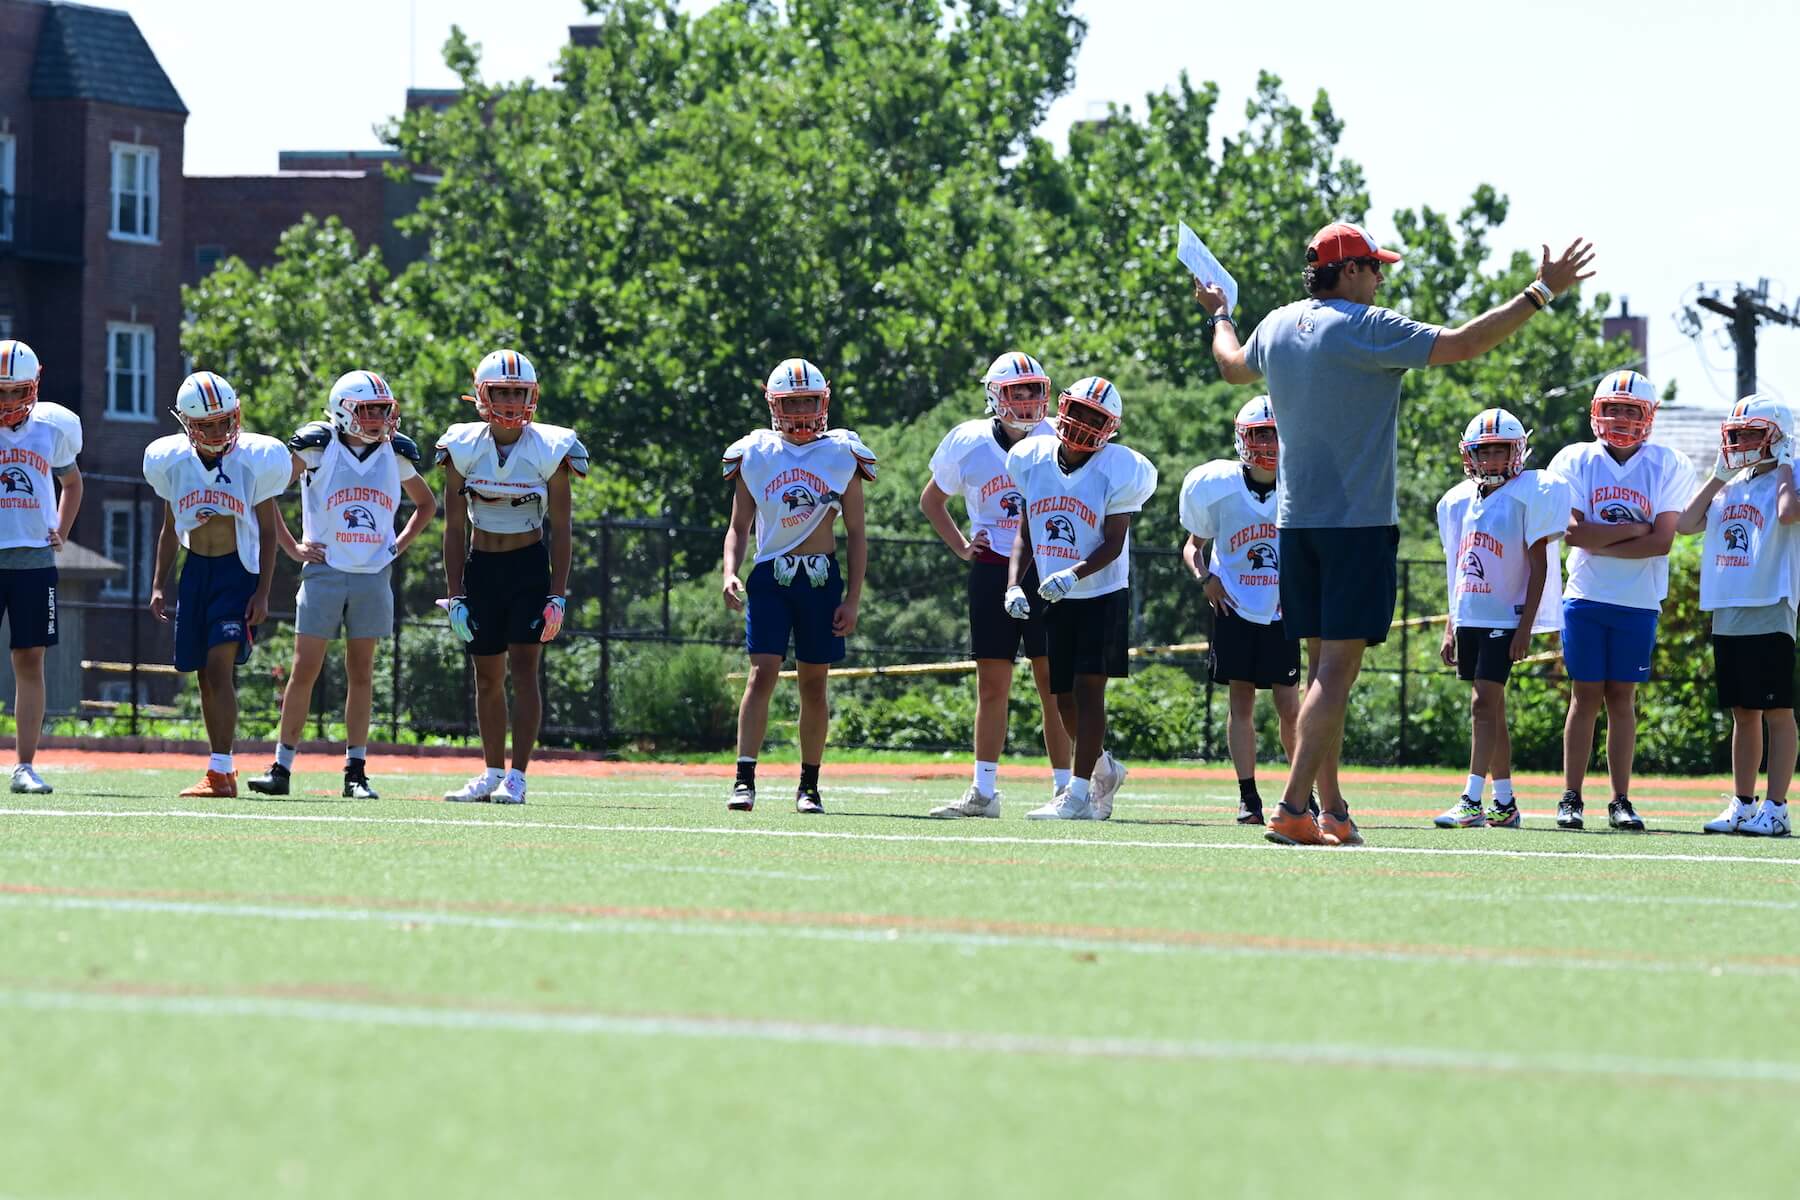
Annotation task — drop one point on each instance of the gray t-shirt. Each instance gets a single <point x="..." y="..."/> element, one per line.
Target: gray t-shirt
<point x="1334" y="369"/>
<point x="1749" y="622"/>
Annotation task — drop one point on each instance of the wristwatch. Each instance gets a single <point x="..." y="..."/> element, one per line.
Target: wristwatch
<point x="1214" y="320"/>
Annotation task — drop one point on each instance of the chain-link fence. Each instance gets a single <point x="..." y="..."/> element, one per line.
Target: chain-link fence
<point x="649" y="656"/>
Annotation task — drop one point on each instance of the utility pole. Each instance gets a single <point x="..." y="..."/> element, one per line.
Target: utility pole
<point x="1746" y="310"/>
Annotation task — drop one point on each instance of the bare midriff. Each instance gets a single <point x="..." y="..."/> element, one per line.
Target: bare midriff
<point x="489" y="542"/>
<point x="213" y="538"/>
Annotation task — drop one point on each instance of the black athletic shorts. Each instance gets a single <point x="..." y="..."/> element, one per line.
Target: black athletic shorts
<point x="1089" y="636"/>
<point x="1339" y="584"/>
<point x="1245" y="652"/>
<point x="992" y="632"/>
<point x="1484" y="654"/>
<point x="506" y="591"/>
<point x="1754" y="671"/>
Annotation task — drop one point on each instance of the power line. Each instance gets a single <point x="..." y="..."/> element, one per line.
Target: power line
<point x="1747" y="311"/>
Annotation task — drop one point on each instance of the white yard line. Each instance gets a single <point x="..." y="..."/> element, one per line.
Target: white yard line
<point x="517" y="826"/>
<point x="408" y="919"/>
<point x="878" y="1037"/>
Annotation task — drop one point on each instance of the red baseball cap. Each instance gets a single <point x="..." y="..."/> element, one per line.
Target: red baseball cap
<point x="1341" y="240"/>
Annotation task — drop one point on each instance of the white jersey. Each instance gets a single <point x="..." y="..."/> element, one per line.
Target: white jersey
<point x="971" y="461"/>
<point x="1068" y="510"/>
<point x="1748" y="558"/>
<point x="257" y="469"/>
<point x="510" y="494"/>
<point x="1657" y="479"/>
<point x="1487" y="542"/>
<point x="1218" y="506"/>
<point x="43" y="445"/>
<point x="796" y="485"/>
<point x="348" y="502"/>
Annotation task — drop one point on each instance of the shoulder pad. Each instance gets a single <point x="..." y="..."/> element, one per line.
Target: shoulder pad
<point x="865" y="457"/>
<point x="458" y="437"/>
<point x="314" y="435"/>
<point x="561" y="445"/>
<point x="404" y="446"/>
<point x="60" y="419"/>
<point x="733" y="459"/>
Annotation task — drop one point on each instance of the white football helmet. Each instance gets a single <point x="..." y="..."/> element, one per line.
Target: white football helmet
<point x="19" y="375"/>
<point x="511" y="371"/>
<point x="1632" y="390"/>
<point x="1750" y="432"/>
<point x="1494" y="427"/>
<point x="1257" y="449"/>
<point x="208" y="410"/>
<point x="1018" y="391"/>
<point x="799" y="399"/>
<point x="1088" y="413"/>
<point x="363" y="406"/>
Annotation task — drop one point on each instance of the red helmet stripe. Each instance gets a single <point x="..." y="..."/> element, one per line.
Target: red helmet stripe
<point x="6" y="353"/>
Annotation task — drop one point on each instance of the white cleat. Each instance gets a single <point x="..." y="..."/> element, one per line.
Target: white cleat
<point x="1064" y="808"/>
<point x="510" y="791"/>
<point x="1771" y="820"/>
<point x="477" y="791"/>
<point x="972" y="804"/>
<point x="27" y="782"/>
<point x="1736" y="815"/>
<point x="1109" y="774"/>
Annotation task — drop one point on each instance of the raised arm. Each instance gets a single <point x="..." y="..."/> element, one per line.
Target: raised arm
<point x="1228" y="350"/>
<point x="1475" y="338"/>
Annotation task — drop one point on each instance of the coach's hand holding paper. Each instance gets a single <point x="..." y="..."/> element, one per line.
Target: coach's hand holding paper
<point x="1208" y="271"/>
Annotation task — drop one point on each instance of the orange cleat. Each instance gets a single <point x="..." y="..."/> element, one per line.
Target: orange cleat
<point x="1293" y="827"/>
<point x="217" y="785"/>
<point x="1339" y="831"/>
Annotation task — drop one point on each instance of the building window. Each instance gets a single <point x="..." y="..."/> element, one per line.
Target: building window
<point x="206" y="258"/>
<point x="128" y="546"/>
<point x="130" y="353"/>
<point x="8" y="184"/>
<point x="134" y="190"/>
<point x="5" y="325"/>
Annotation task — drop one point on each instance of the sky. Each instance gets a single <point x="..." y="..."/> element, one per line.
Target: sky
<point x="1660" y="130"/>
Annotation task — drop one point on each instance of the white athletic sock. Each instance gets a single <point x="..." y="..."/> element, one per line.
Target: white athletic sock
<point x="1476" y="786"/>
<point x="1503" y="795"/>
<point x="986" y="775"/>
<point x="355" y="754"/>
<point x="1078" y="790"/>
<point x="1060" y="776"/>
<point x="285" y="756"/>
<point x="220" y="763"/>
<point x="495" y="775"/>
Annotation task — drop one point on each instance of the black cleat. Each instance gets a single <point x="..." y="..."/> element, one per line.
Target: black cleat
<point x="1620" y="815"/>
<point x="274" y="783"/>
<point x="356" y="785"/>
<point x="743" y="797"/>
<point x="1568" y="812"/>
<point x="1250" y="812"/>
<point x="808" y="800"/>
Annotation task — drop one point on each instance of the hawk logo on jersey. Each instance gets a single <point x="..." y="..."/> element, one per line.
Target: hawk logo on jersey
<point x="1012" y="504"/>
<point x="1736" y="536"/>
<point x="205" y="514"/>
<point x="1262" y="556"/>
<point x="358" y="517"/>
<point x="1060" y="529"/>
<point x="1471" y="565"/>
<point x="13" y="480"/>
<point x="1618" y="514"/>
<point x="797" y="497"/>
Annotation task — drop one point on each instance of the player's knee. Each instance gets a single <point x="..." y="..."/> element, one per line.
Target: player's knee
<point x="763" y="678"/>
<point x="812" y="688"/>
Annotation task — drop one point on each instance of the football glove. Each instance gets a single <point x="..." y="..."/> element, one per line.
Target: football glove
<point x="1058" y="585"/>
<point x="462" y="623"/>
<point x="553" y="618"/>
<point x="1018" y="604"/>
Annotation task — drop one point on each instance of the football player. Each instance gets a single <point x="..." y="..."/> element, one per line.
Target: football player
<point x="1081" y="489"/>
<point x="40" y="493"/>
<point x="794" y="480"/>
<point x="1230" y="506"/>
<point x="1750" y="580"/>
<point x="1505" y="583"/>
<point x="218" y="483"/>
<point x="1626" y="497"/>
<point x="354" y="467"/>
<point x="506" y="476"/>
<point x="971" y="462"/>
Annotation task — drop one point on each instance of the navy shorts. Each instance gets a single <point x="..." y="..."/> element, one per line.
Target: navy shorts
<point x="210" y="604"/>
<point x="1607" y="642"/>
<point x="1244" y="652"/>
<point x="28" y="598"/>
<point x="1089" y="635"/>
<point x="995" y="633"/>
<point x="506" y="591"/>
<point x="774" y="614"/>
<point x="1340" y="584"/>
<point x="1484" y="654"/>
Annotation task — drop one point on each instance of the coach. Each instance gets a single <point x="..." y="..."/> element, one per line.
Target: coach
<point x="1334" y="363"/>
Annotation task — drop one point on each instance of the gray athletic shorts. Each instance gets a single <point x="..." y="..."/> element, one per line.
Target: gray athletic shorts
<point x="362" y="606"/>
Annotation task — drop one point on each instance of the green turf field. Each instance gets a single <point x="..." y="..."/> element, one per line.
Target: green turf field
<point x="620" y="990"/>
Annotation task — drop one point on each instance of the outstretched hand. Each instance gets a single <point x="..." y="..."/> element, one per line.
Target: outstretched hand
<point x="1570" y="269"/>
<point x="1211" y="297"/>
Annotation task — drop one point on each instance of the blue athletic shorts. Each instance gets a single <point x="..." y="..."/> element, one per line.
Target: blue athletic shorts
<point x="1339" y="584"/>
<point x="774" y="612"/>
<point x="1607" y="642"/>
<point x="28" y="598"/>
<point x="209" y="609"/>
